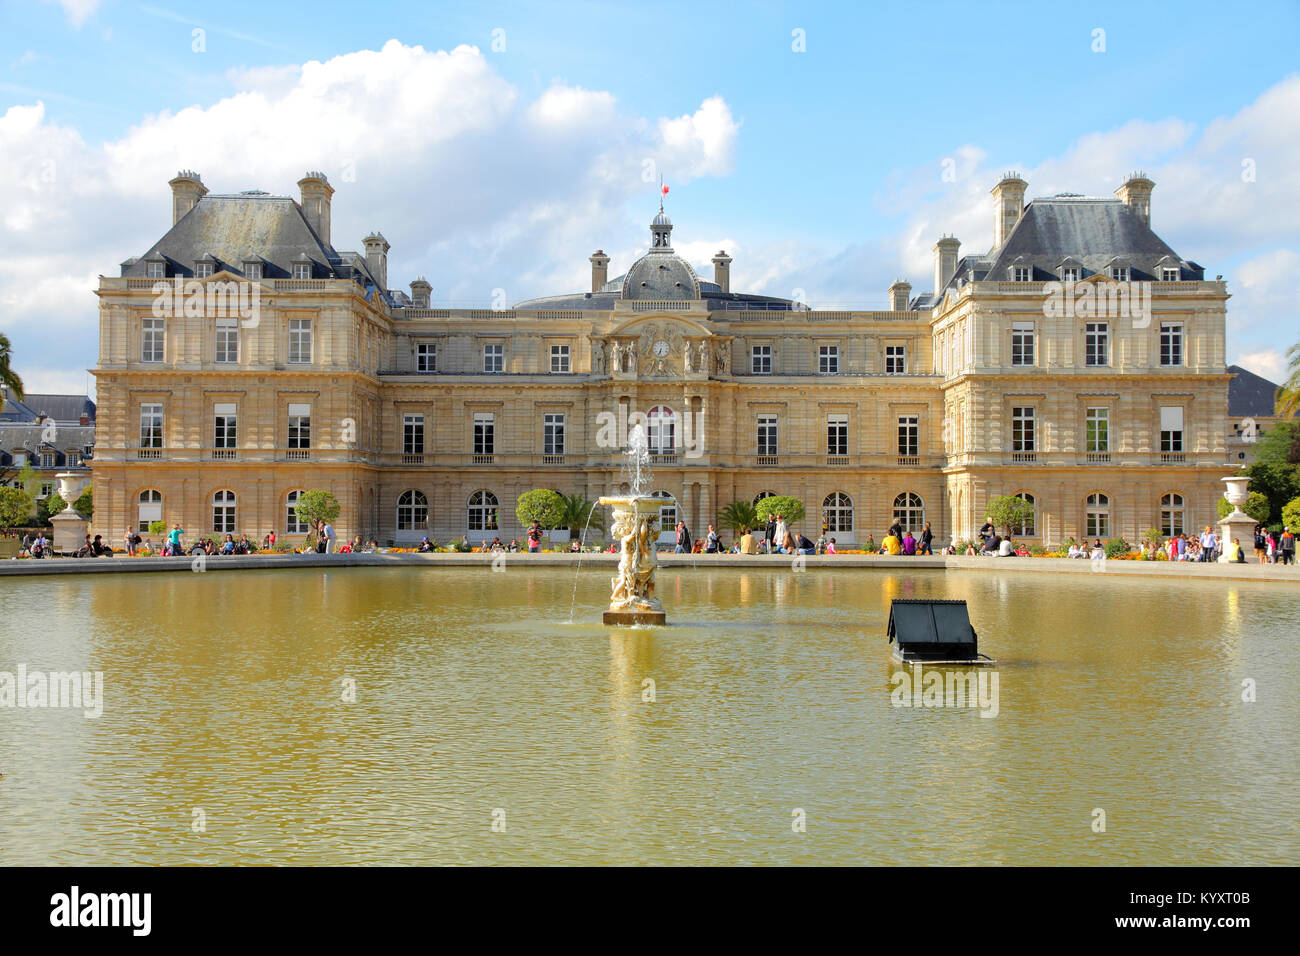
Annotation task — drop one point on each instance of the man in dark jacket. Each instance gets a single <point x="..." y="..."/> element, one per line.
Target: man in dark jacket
<point x="926" y="537"/>
<point x="769" y="533"/>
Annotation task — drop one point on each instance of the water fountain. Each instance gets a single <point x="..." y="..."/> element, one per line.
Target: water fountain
<point x="636" y="526"/>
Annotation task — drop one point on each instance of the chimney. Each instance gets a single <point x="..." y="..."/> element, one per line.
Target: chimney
<point x="599" y="270"/>
<point x="420" y="290"/>
<point x="187" y="190"/>
<point x="316" y="192"/>
<point x="945" y="262"/>
<point x="899" y="295"/>
<point x="722" y="270"/>
<point x="377" y="257"/>
<point x="1008" y="203"/>
<point x="1136" y="194"/>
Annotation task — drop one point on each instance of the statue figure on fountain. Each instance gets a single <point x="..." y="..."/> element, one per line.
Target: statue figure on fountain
<point x="636" y="520"/>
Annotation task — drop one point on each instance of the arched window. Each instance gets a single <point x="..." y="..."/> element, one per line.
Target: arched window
<point x="667" y="512"/>
<point x="412" y="511"/>
<point x="761" y="495"/>
<point x="292" y="524"/>
<point x="837" y="512"/>
<point x="1097" y="516"/>
<point x="1173" y="515"/>
<point x="661" y="430"/>
<point x="1026" y="529"/>
<point x="150" y="509"/>
<point x="482" y="511"/>
<point x="223" y="511"/>
<point x="909" y="511"/>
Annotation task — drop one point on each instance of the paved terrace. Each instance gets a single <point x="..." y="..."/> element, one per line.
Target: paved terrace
<point x="1158" y="569"/>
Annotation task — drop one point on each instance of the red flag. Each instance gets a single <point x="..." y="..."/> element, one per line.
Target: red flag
<point x="663" y="189"/>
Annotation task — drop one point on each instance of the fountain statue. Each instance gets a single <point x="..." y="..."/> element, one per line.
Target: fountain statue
<point x="636" y="518"/>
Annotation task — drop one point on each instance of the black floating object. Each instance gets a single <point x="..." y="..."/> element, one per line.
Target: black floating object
<point x="933" y="631"/>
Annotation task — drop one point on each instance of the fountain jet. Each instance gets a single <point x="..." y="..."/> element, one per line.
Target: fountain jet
<point x="636" y="516"/>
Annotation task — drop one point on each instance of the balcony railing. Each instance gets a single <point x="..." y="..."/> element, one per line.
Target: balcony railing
<point x="767" y="460"/>
<point x="413" y="459"/>
<point x="1172" y="457"/>
<point x="297" y="454"/>
<point x="148" y="454"/>
<point x="552" y="459"/>
<point x="837" y="461"/>
<point x="481" y="459"/>
<point x="225" y="454"/>
<point x="663" y="458"/>
<point x="1097" y="457"/>
<point x="1023" y="457"/>
<point x="910" y="461"/>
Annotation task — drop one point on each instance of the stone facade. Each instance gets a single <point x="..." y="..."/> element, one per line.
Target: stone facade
<point x="335" y="381"/>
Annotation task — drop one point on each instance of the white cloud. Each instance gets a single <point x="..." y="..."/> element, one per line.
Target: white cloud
<point x="1270" y="363"/>
<point x="77" y="11"/>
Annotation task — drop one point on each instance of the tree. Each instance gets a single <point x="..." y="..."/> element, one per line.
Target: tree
<point x="1009" y="512"/>
<point x="317" y="507"/>
<point x="739" y="515"/>
<point x="787" y="506"/>
<point x="52" y="505"/>
<point x="1291" y="514"/>
<point x="8" y="377"/>
<point x="1275" y="472"/>
<point x="85" y="503"/>
<point x="1257" y="506"/>
<point x="542" y="505"/>
<point x="580" y="513"/>
<point x="1287" y="401"/>
<point x="15" y="506"/>
<point x="158" y="527"/>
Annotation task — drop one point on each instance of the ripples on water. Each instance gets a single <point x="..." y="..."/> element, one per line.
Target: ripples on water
<point x="474" y="692"/>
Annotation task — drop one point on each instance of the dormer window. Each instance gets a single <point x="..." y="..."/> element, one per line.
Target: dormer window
<point x="1022" y="273"/>
<point x="302" y="270"/>
<point x="253" y="269"/>
<point x="202" y="270"/>
<point x="1069" y="273"/>
<point x="1119" y="273"/>
<point x="1170" y="274"/>
<point x="155" y="269"/>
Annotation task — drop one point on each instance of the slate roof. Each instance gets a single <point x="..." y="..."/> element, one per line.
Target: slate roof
<point x="1250" y="395"/>
<point x="235" y="228"/>
<point x="64" y="409"/>
<point x="1094" y="233"/>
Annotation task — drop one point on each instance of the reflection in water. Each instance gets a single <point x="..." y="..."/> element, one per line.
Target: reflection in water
<point x="224" y="691"/>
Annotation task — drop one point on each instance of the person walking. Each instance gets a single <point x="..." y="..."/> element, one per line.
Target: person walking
<point x="712" y="544"/>
<point x="174" y="539"/>
<point x="535" y="537"/>
<point x="683" y="539"/>
<point x="128" y="540"/>
<point x="927" y="536"/>
<point x="1208" y="543"/>
<point x="1286" y="546"/>
<point x="328" y="531"/>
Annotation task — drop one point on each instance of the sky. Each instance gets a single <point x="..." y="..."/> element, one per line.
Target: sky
<point x="825" y="146"/>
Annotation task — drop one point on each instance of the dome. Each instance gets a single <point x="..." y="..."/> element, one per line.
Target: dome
<point x="661" y="275"/>
<point x="661" y="219"/>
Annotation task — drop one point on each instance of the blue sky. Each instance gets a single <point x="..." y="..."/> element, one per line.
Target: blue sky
<point x="819" y="169"/>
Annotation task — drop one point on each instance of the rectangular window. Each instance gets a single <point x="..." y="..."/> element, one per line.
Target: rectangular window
<point x="559" y="358"/>
<point x="1097" y="430"/>
<point x="767" y="435"/>
<point x="494" y="358"/>
<point x="553" y="433"/>
<point x="253" y="270"/>
<point x="151" y="342"/>
<point x="47" y="489"/>
<point x="412" y="434"/>
<point x="837" y="434"/>
<point x="1022" y="343"/>
<point x="203" y="270"/>
<point x="426" y="357"/>
<point x="1170" y="274"/>
<point x="155" y="270"/>
<point x="227" y="340"/>
<point x="1022" y="428"/>
<point x="761" y="359"/>
<point x="302" y="270"/>
<point x="909" y="435"/>
<point x="1069" y="273"/>
<point x="1171" y="343"/>
<point x="484" y="433"/>
<point x="225" y="425"/>
<point x="828" y="359"/>
<point x="1171" y="428"/>
<point x="895" y="359"/>
<point x="151" y="426"/>
<point x="1022" y="273"/>
<point x="299" y="426"/>
<point x="1119" y="273"/>
<point x="300" y="341"/>
<point x="1096" y="343"/>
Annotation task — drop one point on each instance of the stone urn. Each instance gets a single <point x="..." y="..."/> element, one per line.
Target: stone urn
<point x="1237" y="526"/>
<point x="69" y="526"/>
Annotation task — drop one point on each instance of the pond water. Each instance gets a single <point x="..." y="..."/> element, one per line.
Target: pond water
<point x="441" y="715"/>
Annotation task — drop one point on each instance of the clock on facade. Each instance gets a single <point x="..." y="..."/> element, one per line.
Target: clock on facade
<point x="661" y="348"/>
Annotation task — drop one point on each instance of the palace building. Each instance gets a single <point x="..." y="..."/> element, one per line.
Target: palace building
<point x="244" y="359"/>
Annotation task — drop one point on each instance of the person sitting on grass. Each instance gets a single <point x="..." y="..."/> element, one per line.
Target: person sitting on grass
<point x="748" y="543"/>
